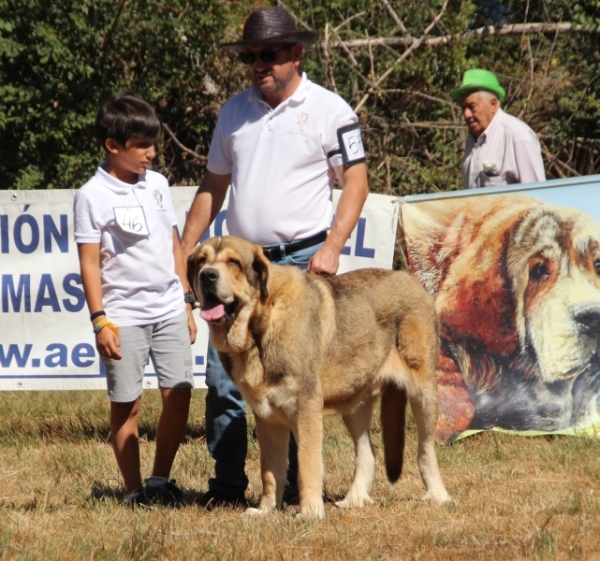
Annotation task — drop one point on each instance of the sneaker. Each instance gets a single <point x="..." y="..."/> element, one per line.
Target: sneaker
<point x="216" y="499"/>
<point x="168" y="495"/>
<point x="137" y="499"/>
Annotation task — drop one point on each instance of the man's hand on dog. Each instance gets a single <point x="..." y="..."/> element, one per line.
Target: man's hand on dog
<point x="325" y="261"/>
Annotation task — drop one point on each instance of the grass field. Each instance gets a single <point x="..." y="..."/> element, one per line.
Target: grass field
<point x="61" y="494"/>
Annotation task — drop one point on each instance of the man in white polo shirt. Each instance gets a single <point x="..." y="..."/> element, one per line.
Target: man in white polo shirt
<point x="501" y="149"/>
<point x="280" y="146"/>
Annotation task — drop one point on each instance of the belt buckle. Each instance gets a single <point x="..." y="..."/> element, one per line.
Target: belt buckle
<point x="272" y="253"/>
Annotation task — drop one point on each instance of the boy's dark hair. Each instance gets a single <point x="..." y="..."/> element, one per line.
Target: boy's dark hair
<point x="124" y="116"/>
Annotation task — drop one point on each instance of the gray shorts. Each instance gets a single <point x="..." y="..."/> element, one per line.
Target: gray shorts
<point x="168" y="345"/>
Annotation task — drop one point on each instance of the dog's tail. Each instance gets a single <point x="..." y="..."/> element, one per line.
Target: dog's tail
<point x="393" y="424"/>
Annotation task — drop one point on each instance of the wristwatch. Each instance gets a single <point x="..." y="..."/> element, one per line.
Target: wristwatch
<point x="189" y="298"/>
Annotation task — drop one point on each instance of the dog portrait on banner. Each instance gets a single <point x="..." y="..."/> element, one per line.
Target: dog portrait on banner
<point x="516" y="283"/>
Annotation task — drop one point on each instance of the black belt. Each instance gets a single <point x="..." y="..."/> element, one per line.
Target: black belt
<point x="278" y="251"/>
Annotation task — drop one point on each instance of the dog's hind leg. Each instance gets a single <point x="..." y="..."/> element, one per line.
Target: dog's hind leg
<point x="418" y="346"/>
<point x="425" y="411"/>
<point x="358" y="423"/>
<point x="273" y="441"/>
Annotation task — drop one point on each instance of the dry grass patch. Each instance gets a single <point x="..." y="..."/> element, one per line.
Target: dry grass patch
<point x="61" y="494"/>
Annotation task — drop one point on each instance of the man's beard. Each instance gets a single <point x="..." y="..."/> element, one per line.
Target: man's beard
<point x="278" y="84"/>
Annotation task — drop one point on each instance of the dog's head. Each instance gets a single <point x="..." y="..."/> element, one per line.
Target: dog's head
<point x="227" y="274"/>
<point x="514" y="279"/>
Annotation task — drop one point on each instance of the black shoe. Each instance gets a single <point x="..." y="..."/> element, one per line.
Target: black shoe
<point x="168" y="495"/>
<point x="216" y="499"/>
<point x="138" y="499"/>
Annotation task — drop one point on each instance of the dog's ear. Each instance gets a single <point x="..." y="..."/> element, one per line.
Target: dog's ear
<point x="260" y="265"/>
<point x="475" y="301"/>
<point x="425" y="227"/>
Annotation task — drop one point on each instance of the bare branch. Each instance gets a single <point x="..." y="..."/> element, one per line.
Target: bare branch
<point x="489" y="31"/>
<point x="298" y="20"/>
<point x="108" y="34"/>
<point x="195" y="155"/>
<point x="343" y="47"/>
<point x="432" y="125"/>
<point x="418" y="94"/>
<point x="395" y="17"/>
<point x="348" y="20"/>
<point x="405" y="54"/>
<point x="554" y="161"/>
<point x="327" y="56"/>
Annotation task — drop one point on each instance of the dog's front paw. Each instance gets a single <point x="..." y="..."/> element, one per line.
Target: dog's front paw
<point x="254" y="512"/>
<point x="439" y="497"/>
<point x="312" y="509"/>
<point x="355" y="501"/>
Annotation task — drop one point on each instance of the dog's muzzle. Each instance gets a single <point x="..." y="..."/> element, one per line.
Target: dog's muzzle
<point x="208" y="277"/>
<point x="213" y="310"/>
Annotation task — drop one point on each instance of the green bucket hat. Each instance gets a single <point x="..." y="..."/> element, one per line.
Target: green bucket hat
<point x="478" y="79"/>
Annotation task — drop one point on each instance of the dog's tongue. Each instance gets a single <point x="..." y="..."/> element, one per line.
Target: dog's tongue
<point x="212" y="312"/>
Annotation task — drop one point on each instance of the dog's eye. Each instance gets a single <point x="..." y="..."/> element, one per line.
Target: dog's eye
<point x="539" y="271"/>
<point x="234" y="263"/>
<point x="200" y="262"/>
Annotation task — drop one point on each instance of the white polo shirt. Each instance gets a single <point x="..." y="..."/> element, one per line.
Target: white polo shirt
<point x="134" y="226"/>
<point x="278" y="159"/>
<point x="508" y="151"/>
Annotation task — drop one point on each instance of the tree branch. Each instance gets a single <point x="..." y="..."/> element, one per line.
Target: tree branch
<point x="395" y="17"/>
<point x="195" y="155"/>
<point x="107" y="37"/>
<point x="405" y="54"/>
<point x="490" y="31"/>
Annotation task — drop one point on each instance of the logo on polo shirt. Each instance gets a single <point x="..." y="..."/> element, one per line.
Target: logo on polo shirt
<point x="301" y="121"/>
<point x="159" y="200"/>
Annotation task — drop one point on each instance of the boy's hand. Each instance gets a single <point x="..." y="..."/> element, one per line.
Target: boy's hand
<point x="108" y="344"/>
<point x="191" y="323"/>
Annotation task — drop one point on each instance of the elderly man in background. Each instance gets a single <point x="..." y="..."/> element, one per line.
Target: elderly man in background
<point x="501" y="149"/>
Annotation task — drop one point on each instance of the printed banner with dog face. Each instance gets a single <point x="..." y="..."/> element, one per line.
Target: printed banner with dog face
<point x="46" y="339"/>
<point x="514" y="272"/>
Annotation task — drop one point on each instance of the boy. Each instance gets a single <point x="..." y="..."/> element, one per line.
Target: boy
<point x="133" y="276"/>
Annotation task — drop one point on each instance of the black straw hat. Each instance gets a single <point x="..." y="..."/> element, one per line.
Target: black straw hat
<point x="271" y="25"/>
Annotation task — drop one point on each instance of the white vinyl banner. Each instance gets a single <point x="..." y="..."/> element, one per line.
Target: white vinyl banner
<point x="46" y="339"/>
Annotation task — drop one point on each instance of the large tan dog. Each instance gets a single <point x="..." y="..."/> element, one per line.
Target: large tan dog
<point x="300" y="345"/>
<point x="517" y="289"/>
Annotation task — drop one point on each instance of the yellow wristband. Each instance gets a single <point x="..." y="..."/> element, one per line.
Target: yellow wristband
<point x="105" y="323"/>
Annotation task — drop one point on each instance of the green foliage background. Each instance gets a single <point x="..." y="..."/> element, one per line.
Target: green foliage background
<point x="60" y="61"/>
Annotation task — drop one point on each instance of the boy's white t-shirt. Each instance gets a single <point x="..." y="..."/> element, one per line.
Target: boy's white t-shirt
<point x="134" y="226"/>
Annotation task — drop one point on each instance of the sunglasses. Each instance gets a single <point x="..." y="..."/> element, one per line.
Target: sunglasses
<point x="265" y="56"/>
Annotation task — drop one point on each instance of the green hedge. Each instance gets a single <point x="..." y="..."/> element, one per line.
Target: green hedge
<point x="60" y="60"/>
